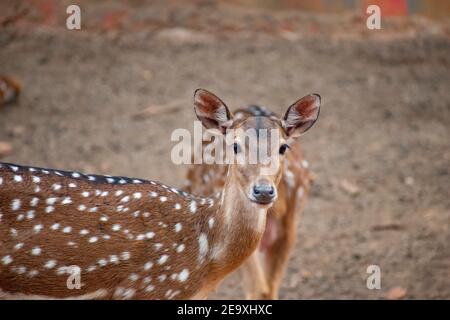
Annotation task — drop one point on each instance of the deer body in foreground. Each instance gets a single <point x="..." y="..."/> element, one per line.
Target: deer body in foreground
<point x="263" y="272"/>
<point x="130" y="238"/>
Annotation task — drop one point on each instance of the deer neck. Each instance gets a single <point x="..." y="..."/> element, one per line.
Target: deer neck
<point x="242" y="225"/>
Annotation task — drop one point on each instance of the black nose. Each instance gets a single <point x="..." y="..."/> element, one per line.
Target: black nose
<point x="263" y="193"/>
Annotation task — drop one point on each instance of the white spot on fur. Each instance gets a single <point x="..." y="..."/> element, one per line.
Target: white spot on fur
<point x="211" y="222"/>
<point x="305" y="164"/>
<point x="15" y="204"/>
<point x="180" y="248"/>
<point x="30" y="214"/>
<point x="36" y="251"/>
<point x="137" y="195"/>
<point x="148" y="266"/>
<point x="51" y="201"/>
<point x="50" y="264"/>
<point x="102" y="262"/>
<point x="34" y="202"/>
<point x="163" y="259"/>
<point x="125" y="255"/>
<point x="91" y="268"/>
<point x="202" y="246"/>
<point x="133" y="277"/>
<point x="183" y="275"/>
<point x="7" y="260"/>
<point x="193" y="206"/>
<point x="162" y="277"/>
<point x="66" y="200"/>
<point x="33" y="273"/>
<point x="55" y="226"/>
<point x="67" y="229"/>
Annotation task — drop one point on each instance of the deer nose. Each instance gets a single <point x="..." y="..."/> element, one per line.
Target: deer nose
<point x="263" y="193"/>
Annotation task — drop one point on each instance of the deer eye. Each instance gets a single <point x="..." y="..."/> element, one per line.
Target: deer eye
<point x="283" y="148"/>
<point x="236" y="148"/>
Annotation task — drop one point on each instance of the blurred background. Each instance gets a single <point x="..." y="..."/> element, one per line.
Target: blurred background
<point x="106" y="98"/>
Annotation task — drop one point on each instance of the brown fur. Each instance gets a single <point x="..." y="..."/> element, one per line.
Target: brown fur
<point x="203" y="275"/>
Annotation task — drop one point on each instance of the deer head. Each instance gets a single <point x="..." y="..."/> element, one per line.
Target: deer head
<point x="249" y="136"/>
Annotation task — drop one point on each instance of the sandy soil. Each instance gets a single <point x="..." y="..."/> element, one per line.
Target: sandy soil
<point x="380" y="150"/>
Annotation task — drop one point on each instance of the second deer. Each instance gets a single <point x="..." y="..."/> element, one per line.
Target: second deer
<point x="135" y="239"/>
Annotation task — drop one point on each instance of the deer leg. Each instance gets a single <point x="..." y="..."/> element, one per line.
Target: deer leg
<point x="254" y="280"/>
<point x="278" y="253"/>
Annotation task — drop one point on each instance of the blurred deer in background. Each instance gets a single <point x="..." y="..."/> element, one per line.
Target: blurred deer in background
<point x="9" y="89"/>
<point x="263" y="272"/>
<point x="135" y="239"/>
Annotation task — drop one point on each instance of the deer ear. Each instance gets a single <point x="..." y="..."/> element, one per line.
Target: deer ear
<point x="301" y="115"/>
<point x="211" y="111"/>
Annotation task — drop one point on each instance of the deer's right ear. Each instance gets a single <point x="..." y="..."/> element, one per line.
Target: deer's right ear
<point x="211" y="111"/>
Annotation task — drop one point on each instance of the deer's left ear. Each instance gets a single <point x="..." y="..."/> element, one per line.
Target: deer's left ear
<point x="301" y="115"/>
<point x="211" y="111"/>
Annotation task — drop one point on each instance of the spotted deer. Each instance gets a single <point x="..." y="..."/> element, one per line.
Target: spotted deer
<point x="131" y="238"/>
<point x="263" y="271"/>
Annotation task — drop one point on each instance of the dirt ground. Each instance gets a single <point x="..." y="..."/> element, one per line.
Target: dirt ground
<point x="380" y="150"/>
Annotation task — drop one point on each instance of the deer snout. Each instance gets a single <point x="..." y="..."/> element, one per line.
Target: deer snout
<point x="263" y="193"/>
